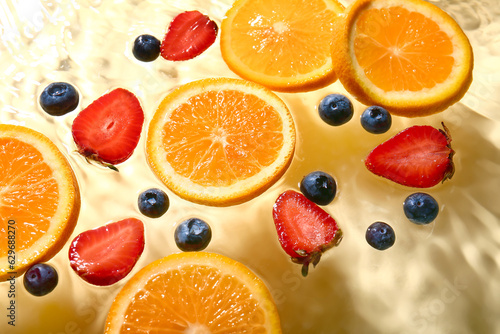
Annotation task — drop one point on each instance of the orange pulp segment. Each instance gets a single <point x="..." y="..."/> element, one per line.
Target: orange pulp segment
<point x="220" y="141"/>
<point x="408" y="56"/>
<point x="193" y="292"/>
<point x="281" y="44"/>
<point x="39" y="199"/>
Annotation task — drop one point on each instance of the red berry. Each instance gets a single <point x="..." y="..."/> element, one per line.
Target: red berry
<point x="108" y="130"/>
<point x="105" y="255"/>
<point x="305" y="230"/>
<point x="420" y="157"/>
<point x="189" y="34"/>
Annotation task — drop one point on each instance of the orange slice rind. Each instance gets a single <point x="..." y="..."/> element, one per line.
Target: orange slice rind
<point x="408" y="56"/>
<point x="39" y="199"/>
<point x="281" y="44"/>
<point x="194" y="292"/>
<point x="220" y="141"/>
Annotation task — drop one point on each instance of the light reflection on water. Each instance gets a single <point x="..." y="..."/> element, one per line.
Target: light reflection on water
<point x="442" y="278"/>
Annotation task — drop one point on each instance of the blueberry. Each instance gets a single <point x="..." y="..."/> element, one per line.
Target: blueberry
<point x="421" y="208"/>
<point x="193" y="234"/>
<point x="59" y="98"/>
<point x="380" y="236"/>
<point x="146" y="48"/>
<point x="319" y="187"/>
<point x="40" y="279"/>
<point x="335" y="109"/>
<point x="153" y="202"/>
<point x="376" y="120"/>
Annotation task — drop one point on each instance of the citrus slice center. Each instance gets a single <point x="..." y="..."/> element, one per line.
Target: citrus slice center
<point x="226" y="143"/>
<point x="406" y="43"/>
<point x="197" y="329"/>
<point x="276" y="31"/>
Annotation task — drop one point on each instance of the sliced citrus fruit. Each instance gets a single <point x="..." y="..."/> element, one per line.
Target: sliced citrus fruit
<point x="194" y="292"/>
<point x="281" y="44"/>
<point x="39" y="199"/>
<point x="408" y="56"/>
<point x="220" y="141"/>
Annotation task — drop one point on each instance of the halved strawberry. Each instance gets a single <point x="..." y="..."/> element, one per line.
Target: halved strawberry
<point x="189" y="34"/>
<point x="108" y="130"/>
<point x="105" y="255"/>
<point x="305" y="230"/>
<point x="420" y="156"/>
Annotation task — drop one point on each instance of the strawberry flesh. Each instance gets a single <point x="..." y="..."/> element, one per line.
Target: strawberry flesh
<point x="419" y="156"/>
<point x="304" y="229"/>
<point x="105" y="255"/>
<point x="189" y="34"/>
<point x="108" y="130"/>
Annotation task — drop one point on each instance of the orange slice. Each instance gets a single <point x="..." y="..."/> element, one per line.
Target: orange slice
<point x="220" y="141"/>
<point x="39" y="199"/>
<point x="193" y="292"/>
<point x="281" y="44"/>
<point x="408" y="56"/>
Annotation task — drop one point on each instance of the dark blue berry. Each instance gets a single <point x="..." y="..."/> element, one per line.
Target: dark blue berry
<point x="319" y="187"/>
<point x="59" y="98"/>
<point x="146" y="48"/>
<point x="153" y="202"/>
<point x="193" y="234"/>
<point x="421" y="208"/>
<point x="40" y="279"/>
<point x="380" y="236"/>
<point x="376" y="120"/>
<point x="335" y="109"/>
